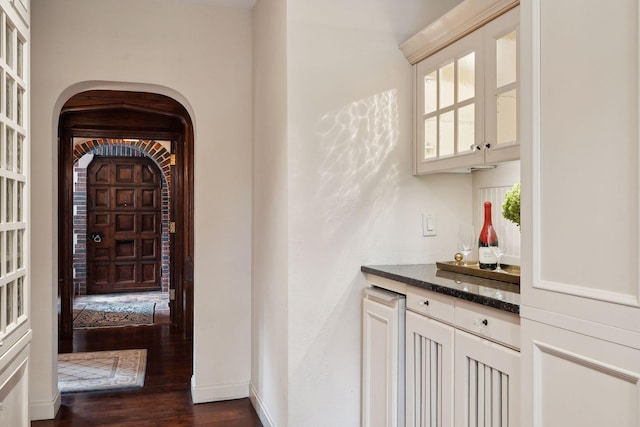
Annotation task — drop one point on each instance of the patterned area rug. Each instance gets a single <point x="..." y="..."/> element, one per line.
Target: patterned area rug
<point x="108" y="315"/>
<point x="101" y="370"/>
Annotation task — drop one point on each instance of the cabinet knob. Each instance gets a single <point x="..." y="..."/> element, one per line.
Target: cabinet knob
<point x="487" y="145"/>
<point x="425" y="302"/>
<point x="480" y="323"/>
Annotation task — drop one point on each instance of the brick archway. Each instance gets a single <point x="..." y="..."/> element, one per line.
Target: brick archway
<point x="152" y="148"/>
<point x="159" y="152"/>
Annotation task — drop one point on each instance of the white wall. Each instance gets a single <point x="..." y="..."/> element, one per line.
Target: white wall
<point x="269" y="374"/>
<point x="332" y="193"/>
<point x="352" y="198"/>
<point x="201" y="56"/>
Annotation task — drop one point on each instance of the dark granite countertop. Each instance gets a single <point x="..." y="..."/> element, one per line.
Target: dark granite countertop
<point x="492" y="293"/>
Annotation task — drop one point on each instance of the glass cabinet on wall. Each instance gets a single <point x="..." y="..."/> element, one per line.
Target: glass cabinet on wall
<point x="466" y="109"/>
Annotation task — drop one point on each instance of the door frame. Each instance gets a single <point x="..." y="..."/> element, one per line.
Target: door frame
<point x="134" y="115"/>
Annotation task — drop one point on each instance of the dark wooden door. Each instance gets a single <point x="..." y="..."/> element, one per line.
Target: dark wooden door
<point x="124" y="225"/>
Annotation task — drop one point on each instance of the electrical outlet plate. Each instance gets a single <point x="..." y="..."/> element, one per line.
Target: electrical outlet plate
<point x="428" y="224"/>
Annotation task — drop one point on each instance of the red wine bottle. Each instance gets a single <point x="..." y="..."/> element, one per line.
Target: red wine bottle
<point x="486" y="258"/>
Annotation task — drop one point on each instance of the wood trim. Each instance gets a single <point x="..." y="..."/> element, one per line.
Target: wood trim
<point x="463" y="19"/>
<point x="187" y="228"/>
<point x="65" y="235"/>
<point x="119" y="134"/>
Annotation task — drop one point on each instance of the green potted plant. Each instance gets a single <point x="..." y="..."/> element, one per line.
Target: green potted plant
<point x="511" y="205"/>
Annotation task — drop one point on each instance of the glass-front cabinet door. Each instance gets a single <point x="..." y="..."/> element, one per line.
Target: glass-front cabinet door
<point x="15" y="324"/>
<point x="502" y="133"/>
<point x="449" y="119"/>
<point x="466" y="100"/>
<point x="13" y="178"/>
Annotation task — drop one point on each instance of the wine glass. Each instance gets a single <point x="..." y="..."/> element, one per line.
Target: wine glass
<point x="498" y="248"/>
<point x="466" y="240"/>
<point x="498" y="252"/>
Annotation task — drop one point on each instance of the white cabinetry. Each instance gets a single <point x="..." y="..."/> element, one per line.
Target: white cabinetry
<point x="15" y="323"/>
<point x="382" y="359"/>
<point x="487" y="382"/>
<point x="455" y="377"/>
<point x="429" y="371"/>
<point x="466" y="109"/>
<point x="580" y="213"/>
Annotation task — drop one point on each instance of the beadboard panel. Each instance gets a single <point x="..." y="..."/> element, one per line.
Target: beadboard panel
<point x="492" y="185"/>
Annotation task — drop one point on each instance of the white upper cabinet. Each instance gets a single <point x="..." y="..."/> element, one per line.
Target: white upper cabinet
<point x="449" y="126"/>
<point x="466" y="109"/>
<point x="501" y="88"/>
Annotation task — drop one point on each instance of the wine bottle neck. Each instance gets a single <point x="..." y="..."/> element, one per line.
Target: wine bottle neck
<point x="487" y="213"/>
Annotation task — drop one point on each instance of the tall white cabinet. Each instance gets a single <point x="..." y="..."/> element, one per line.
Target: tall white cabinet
<point x="580" y="306"/>
<point x="15" y="326"/>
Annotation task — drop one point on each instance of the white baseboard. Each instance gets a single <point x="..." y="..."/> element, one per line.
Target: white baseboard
<point x="258" y="405"/>
<point x="45" y="410"/>
<point x="214" y="393"/>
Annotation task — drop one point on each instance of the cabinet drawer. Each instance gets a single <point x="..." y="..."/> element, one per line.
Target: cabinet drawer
<point x="490" y="323"/>
<point x="430" y="304"/>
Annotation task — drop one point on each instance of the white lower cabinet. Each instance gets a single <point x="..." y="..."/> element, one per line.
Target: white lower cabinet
<point x="487" y="383"/>
<point x="382" y="359"/>
<point x="429" y="369"/>
<point x="457" y="378"/>
<point x="582" y="379"/>
<point x="14" y="383"/>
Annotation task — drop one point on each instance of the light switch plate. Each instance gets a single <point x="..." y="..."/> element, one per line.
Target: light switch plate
<point x="428" y="224"/>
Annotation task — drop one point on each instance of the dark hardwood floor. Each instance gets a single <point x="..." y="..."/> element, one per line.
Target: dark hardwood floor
<point x="165" y="398"/>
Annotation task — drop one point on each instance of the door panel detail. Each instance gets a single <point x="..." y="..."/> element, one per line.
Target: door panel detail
<point x="101" y="198"/>
<point x="123" y="206"/>
<point x="125" y="222"/>
<point x="125" y="174"/>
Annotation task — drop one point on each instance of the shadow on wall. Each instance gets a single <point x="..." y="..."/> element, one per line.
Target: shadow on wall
<point x="356" y="143"/>
<point x="358" y="179"/>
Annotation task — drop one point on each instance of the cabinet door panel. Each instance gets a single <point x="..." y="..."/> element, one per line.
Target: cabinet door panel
<point x="580" y="176"/>
<point x="487" y="385"/>
<point x="380" y="386"/>
<point x="579" y="380"/>
<point x="502" y="88"/>
<point x="449" y="111"/>
<point x="429" y="372"/>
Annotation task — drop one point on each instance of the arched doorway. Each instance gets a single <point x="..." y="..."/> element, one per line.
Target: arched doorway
<point x="138" y="117"/>
<point x="157" y="153"/>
